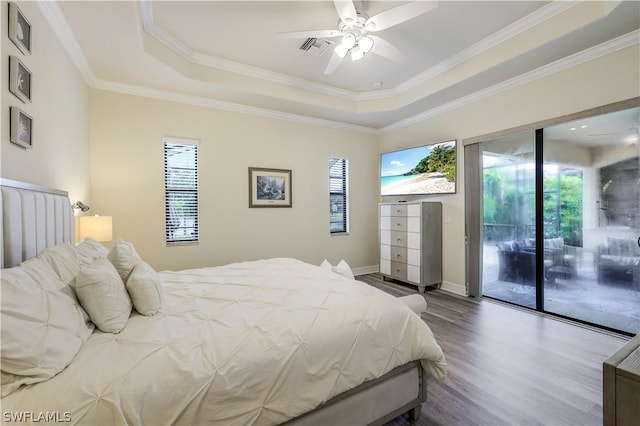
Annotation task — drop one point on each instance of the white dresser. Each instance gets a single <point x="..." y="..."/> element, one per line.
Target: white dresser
<point x="411" y="242"/>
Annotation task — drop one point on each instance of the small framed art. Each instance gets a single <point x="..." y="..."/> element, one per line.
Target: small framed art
<point x="21" y="126"/>
<point x="19" y="29"/>
<point x="269" y="187"/>
<point x="19" y="79"/>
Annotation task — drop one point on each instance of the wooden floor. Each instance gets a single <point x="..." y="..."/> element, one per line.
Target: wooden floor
<point x="509" y="366"/>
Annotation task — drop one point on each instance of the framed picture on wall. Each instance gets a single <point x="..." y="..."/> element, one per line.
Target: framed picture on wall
<point x="19" y="29"/>
<point x="21" y="128"/>
<point x="19" y="79"/>
<point x="269" y="187"/>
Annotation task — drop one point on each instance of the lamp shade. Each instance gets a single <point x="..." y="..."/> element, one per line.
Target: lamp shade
<point x="97" y="227"/>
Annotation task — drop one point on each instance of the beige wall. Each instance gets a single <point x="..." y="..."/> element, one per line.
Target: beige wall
<point x="599" y="82"/>
<point x="128" y="183"/>
<point x="59" y="108"/>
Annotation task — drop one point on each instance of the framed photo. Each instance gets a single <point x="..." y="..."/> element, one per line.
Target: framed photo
<point x="19" y="79"/>
<point x="21" y="128"/>
<point x="19" y="29"/>
<point x="269" y="187"/>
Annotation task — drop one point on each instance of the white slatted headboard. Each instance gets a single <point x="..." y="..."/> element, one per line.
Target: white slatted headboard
<point x="33" y="218"/>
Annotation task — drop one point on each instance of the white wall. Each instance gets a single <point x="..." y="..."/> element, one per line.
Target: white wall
<point x="59" y="108"/>
<point x="127" y="182"/>
<point x="599" y="82"/>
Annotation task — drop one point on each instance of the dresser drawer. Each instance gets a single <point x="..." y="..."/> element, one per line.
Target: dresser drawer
<point x="413" y="274"/>
<point x="399" y="254"/>
<point x="398" y="223"/>
<point x="385" y="252"/>
<point x="398" y="239"/>
<point x="399" y="210"/>
<point x="385" y="266"/>
<point x="399" y="270"/>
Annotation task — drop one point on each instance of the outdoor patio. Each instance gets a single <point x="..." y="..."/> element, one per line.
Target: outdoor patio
<point x="614" y="305"/>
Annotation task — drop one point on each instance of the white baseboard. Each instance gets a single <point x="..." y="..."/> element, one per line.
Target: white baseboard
<point x="454" y="288"/>
<point x="366" y="270"/>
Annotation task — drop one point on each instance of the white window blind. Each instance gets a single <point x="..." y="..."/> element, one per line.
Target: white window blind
<point x="181" y="192"/>
<point x="338" y="195"/>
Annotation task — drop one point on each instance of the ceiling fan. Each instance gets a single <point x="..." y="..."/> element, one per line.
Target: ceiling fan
<point x="354" y="28"/>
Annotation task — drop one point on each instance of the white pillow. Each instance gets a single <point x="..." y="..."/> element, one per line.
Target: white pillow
<point x="124" y="257"/>
<point x="103" y="295"/>
<point x="43" y="326"/>
<point x="63" y="259"/>
<point x="326" y="265"/>
<point x="89" y="250"/>
<point x="143" y="286"/>
<point x="342" y="268"/>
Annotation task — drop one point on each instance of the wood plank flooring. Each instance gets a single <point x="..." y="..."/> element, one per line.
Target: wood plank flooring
<point x="509" y="366"/>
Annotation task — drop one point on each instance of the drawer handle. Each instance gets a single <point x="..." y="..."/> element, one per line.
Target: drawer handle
<point x="399" y="239"/>
<point x="398" y="224"/>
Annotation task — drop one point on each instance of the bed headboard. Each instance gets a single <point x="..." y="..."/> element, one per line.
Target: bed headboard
<point x="33" y="218"/>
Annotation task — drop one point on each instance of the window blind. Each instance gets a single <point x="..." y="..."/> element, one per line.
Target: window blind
<point x="181" y="192"/>
<point x="338" y="196"/>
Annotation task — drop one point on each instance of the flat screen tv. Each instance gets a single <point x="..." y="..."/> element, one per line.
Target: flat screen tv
<point x="423" y="170"/>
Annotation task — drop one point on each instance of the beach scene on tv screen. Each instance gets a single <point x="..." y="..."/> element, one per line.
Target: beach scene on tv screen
<point x="429" y="169"/>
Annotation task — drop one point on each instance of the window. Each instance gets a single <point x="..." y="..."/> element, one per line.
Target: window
<point x="181" y="191"/>
<point x="338" y="195"/>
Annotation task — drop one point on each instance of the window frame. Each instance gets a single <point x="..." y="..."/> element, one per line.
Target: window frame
<point x="173" y="142"/>
<point x="342" y="192"/>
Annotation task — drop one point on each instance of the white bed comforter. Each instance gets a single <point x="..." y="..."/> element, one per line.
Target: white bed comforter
<point x="248" y="343"/>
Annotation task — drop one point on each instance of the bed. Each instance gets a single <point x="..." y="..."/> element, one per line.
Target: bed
<point x="263" y="342"/>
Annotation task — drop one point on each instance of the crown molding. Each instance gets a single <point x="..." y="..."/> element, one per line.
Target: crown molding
<point x="536" y="18"/>
<point x="563" y="64"/>
<point x="166" y="95"/>
<point x="58" y="23"/>
<point x="170" y="41"/>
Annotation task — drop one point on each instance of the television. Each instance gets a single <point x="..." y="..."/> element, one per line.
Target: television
<point x="423" y="170"/>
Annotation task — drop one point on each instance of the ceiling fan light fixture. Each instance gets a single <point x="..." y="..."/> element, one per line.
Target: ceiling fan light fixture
<point x="356" y="53"/>
<point x="348" y="41"/>
<point x="366" y="44"/>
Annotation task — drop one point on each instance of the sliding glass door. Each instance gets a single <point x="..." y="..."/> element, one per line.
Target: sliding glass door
<point x="592" y="220"/>
<point x="582" y="194"/>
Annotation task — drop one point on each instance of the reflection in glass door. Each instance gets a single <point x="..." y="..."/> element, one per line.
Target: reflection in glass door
<point x="509" y="257"/>
<point x="584" y="264"/>
<point x="592" y="220"/>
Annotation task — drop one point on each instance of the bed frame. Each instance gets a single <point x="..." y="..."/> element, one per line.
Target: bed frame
<point x="35" y="217"/>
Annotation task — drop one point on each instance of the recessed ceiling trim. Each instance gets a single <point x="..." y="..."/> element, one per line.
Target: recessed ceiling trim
<point x="536" y="18"/>
<point x="166" y="95"/>
<point x="54" y="16"/>
<point x="563" y="64"/>
<point x="165" y="37"/>
<point x="159" y="33"/>
<point x="155" y="30"/>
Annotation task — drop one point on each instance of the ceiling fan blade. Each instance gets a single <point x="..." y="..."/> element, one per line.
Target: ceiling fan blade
<point x="399" y="14"/>
<point x="346" y="9"/>
<point x="311" y="34"/>
<point x="383" y="48"/>
<point x="333" y="64"/>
